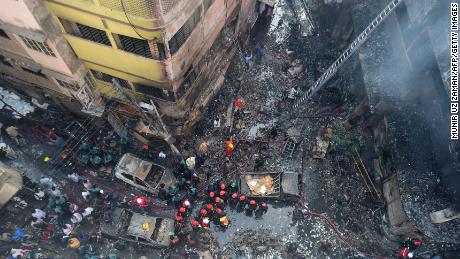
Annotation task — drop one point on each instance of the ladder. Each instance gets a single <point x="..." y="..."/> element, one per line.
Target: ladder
<point x="289" y="147"/>
<point x="363" y="36"/>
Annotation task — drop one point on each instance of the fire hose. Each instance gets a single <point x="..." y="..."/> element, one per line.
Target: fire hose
<point x="325" y="217"/>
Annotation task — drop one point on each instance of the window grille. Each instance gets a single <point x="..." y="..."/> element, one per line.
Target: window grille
<point x="168" y="5"/>
<point x="89" y="80"/>
<point x="136" y="46"/>
<point x="137" y="8"/>
<point x="38" y="46"/>
<point x="3" y="34"/>
<point x="71" y="86"/>
<point x="185" y="31"/>
<point x="108" y="78"/>
<point x="156" y="92"/>
<point x="93" y="34"/>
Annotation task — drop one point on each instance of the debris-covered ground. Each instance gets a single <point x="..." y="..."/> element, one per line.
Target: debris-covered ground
<point x="334" y="216"/>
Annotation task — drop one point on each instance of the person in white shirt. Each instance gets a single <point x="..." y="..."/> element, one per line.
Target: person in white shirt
<point x="292" y="93"/>
<point x="67" y="230"/>
<point x="36" y="222"/>
<point x="47" y="182"/>
<point x="76" y="218"/>
<point x="39" y="195"/>
<point x="39" y="214"/>
<point x="73" y="177"/>
<point x="18" y="252"/>
<point x="85" y="194"/>
<point x="87" y="184"/>
<point x="87" y="212"/>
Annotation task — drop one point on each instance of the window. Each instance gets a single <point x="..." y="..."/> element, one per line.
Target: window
<point x="85" y="32"/>
<point x="89" y="80"/>
<point x="93" y="34"/>
<point x="128" y="176"/>
<point x="37" y="73"/>
<point x="156" y="92"/>
<point x="38" y="46"/>
<point x="108" y="78"/>
<point x="3" y="34"/>
<point x="71" y="86"/>
<point x="184" y="32"/>
<point x="207" y="4"/>
<point x="5" y="61"/>
<point x="135" y="46"/>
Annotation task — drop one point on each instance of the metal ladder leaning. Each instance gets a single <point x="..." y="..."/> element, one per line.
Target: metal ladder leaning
<point x="363" y="36"/>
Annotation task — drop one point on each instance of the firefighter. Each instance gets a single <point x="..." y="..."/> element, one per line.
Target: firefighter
<point x="182" y="212"/>
<point x="195" y="224"/>
<point x="412" y="244"/>
<point x="211" y="197"/>
<point x="203" y="213"/>
<point x="186" y="204"/>
<point x="242" y="202"/>
<point x="223" y="195"/>
<point x="219" y="213"/>
<point x="232" y="187"/>
<point x="219" y="203"/>
<point x="205" y="223"/>
<point x="179" y="218"/>
<point x="222" y="187"/>
<point x="261" y="210"/>
<point x="252" y="207"/>
<point x="233" y="201"/>
<point x="404" y="253"/>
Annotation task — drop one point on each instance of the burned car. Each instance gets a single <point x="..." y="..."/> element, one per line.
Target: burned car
<point x="143" y="174"/>
<point x="142" y="229"/>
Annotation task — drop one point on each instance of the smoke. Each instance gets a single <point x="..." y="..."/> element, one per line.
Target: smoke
<point x="406" y="62"/>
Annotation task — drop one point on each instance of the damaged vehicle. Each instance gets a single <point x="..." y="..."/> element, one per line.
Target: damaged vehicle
<point x="143" y="174"/>
<point x="124" y="224"/>
<point x="282" y="185"/>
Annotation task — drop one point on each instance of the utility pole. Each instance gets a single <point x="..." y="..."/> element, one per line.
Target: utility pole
<point x="162" y="133"/>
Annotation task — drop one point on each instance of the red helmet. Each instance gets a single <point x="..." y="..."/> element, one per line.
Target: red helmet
<point x="417" y="242"/>
<point x="235" y="195"/>
<point x="194" y="223"/>
<point x="182" y="209"/>
<point x="219" y="211"/>
<point x="222" y="193"/>
<point x="222" y="186"/>
<point x="212" y="194"/>
<point x="242" y="198"/>
<point x="209" y="206"/>
<point x="203" y="212"/>
<point x="252" y="202"/>
<point x="264" y="204"/>
<point x="179" y="218"/>
<point x="218" y="200"/>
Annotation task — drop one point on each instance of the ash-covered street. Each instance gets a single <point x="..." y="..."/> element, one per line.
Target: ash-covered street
<point x="258" y="176"/>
